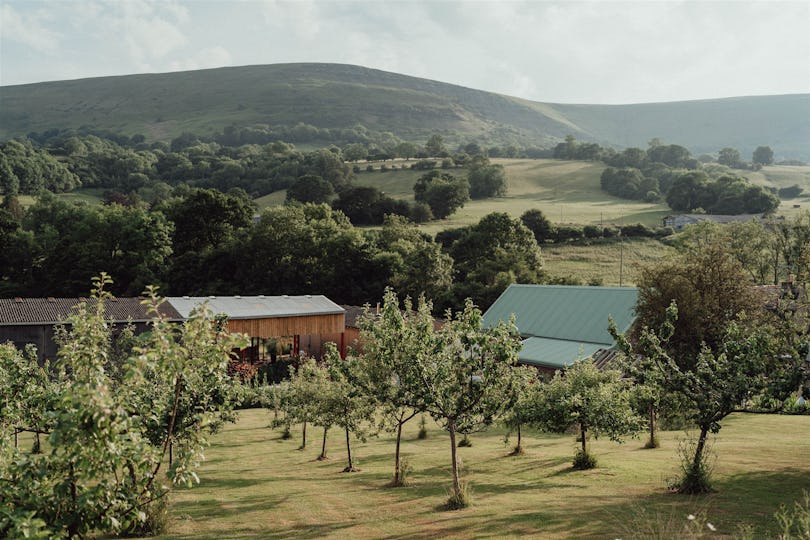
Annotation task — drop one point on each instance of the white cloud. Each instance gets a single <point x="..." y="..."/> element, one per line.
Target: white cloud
<point x="588" y="52"/>
<point x="147" y="31"/>
<point x="27" y="29"/>
<point x="210" y="57"/>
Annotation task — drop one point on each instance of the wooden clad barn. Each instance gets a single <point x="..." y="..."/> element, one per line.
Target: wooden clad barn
<point x="310" y="320"/>
<point x="32" y="321"/>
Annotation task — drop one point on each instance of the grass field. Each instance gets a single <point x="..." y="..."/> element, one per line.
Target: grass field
<point x="256" y="485"/>
<point x="566" y="191"/>
<point x="615" y="263"/>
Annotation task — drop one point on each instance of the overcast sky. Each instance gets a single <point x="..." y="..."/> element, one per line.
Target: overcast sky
<point x="553" y="51"/>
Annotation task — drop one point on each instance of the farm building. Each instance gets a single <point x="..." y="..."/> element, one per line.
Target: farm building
<point x="33" y="321"/>
<point x="560" y="324"/>
<point x="306" y="321"/>
<point x="309" y="320"/>
<point x="678" y="222"/>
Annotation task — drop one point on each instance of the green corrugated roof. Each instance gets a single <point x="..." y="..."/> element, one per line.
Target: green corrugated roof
<point x="559" y="312"/>
<point x="555" y="353"/>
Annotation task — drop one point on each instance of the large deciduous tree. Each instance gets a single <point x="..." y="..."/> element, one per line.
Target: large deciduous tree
<point x="487" y="180"/>
<point x="762" y="155"/>
<point x="703" y="326"/>
<point x="492" y="254"/>
<point x="311" y="189"/>
<point x="443" y="192"/>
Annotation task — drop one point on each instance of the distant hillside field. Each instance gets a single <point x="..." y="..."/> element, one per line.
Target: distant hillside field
<point x="566" y="191"/>
<point x="161" y="106"/>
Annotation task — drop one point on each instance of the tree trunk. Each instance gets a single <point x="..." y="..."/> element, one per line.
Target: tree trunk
<point x="699" y="449"/>
<point x="323" y="446"/>
<point x="16" y="438"/>
<point x="171" y="453"/>
<point x="583" y="430"/>
<point x="652" y="426"/>
<point x="451" y="427"/>
<point x="304" y="436"/>
<point x="350" y="468"/>
<point x="396" y="455"/>
<point x="518" y="448"/>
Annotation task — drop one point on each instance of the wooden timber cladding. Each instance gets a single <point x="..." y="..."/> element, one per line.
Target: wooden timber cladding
<point x="290" y="326"/>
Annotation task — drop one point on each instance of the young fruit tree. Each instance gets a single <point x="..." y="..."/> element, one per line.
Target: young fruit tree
<point x="467" y="379"/>
<point x="595" y="401"/>
<point x="108" y="437"/>
<point x="391" y="340"/>
<point x="345" y="404"/>
<point x="521" y="413"/>
<point x="307" y="386"/>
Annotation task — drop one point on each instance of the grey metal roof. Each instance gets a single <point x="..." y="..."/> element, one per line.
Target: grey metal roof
<point x="36" y="311"/>
<point x="578" y="314"/>
<point x="258" y="307"/>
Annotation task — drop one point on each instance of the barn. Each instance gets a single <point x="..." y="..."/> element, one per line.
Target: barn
<point x="33" y="321"/>
<point x="304" y="323"/>
<point x="560" y="324"/>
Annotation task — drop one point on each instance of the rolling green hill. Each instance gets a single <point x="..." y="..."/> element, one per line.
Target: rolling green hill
<point x="162" y="106"/>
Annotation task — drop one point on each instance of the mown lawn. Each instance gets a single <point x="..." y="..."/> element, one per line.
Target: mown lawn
<point x="256" y="485"/>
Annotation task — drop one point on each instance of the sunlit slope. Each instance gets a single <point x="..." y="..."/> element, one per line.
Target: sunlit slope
<point x="161" y="106"/>
<point x="566" y="191"/>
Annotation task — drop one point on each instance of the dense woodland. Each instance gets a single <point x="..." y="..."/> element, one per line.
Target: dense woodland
<point x="182" y="216"/>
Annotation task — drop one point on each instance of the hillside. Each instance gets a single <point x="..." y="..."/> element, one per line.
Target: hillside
<point x="162" y="106"/>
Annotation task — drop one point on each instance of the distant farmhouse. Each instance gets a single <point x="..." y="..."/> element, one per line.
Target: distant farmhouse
<point x="306" y="321"/>
<point x="560" y="324"/>
<point x="678" y="222"/>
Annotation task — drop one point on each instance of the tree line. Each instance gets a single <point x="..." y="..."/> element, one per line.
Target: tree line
<point x="687" y="184"/>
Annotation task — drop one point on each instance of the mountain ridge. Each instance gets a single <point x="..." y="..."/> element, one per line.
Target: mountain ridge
<point x="162" y="105"/>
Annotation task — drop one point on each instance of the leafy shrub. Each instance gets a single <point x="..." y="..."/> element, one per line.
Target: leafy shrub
<point x="794" y="522"/>
<point x="424" y="165"/>
<point x="465" y="442"/>
<point x="405" y="469"/>
<point x="156" y="519"/>
<point x="584" y="461"/>
<point x="637" y="230"/>
<point x="592" y="231"/>
<point x="422" y="428"/>
<point x="695" y="478"/>
<point x="461" y="498"/>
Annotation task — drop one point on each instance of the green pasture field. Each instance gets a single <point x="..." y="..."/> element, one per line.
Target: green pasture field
<point x="565" y="191"/>
<point x="256" y="485"/>
<point x="90" y="196"/>
<point x="782" y="176"/>
<point x="615" y="263"/>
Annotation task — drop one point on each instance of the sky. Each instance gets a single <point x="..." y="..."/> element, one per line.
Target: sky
<point x="550" y="51"/>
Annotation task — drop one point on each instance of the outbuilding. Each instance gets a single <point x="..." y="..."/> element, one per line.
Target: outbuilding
<point x="560" y="324"/>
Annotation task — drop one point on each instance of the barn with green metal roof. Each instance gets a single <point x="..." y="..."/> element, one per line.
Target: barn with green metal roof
<point x="560" y="324"/>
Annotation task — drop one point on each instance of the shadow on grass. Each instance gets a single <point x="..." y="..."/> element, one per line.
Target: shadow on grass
<point x="293" y="531"/>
